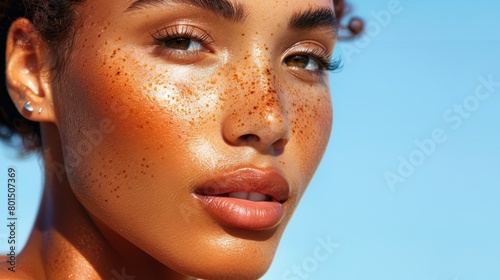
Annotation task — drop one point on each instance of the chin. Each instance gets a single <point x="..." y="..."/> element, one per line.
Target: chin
<point x="234" y="273"/>
<point x="236" y="254"/>
<point x="252" y="267"/>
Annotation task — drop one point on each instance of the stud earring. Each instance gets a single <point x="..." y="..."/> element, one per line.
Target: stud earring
<point x="40" y="110"/>
<point x="28" y="107"/>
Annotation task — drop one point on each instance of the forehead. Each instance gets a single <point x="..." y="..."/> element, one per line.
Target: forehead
<point x="235" y="2"/>
<point x="254" y="13"/>
<point x="282" y="6"/>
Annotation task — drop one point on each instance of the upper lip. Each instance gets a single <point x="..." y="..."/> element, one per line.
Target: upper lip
<point x="266" y="181"/>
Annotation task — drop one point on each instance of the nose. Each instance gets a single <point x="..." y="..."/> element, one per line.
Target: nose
<point x="257" y="115"/>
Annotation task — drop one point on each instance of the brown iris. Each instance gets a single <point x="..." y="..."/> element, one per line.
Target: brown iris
<point x="178" y="43"/>
<point x="300" y="61"/>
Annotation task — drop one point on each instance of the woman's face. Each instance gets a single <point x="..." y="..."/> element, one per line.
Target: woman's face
<point x="170" y="110"/>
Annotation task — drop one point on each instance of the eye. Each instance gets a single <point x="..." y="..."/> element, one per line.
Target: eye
<point x="183" y="44"/>
<point x="311" y="57"/>
<point x="182" y="40"/>
<point x="301" y="61"/>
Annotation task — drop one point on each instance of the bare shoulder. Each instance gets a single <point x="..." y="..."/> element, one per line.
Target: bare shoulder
<point x="13" y="270"/>
<point x="23" y="265"/>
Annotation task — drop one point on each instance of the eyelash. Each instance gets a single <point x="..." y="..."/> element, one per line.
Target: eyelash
<point x="161" y="36"/>
<point x="325" y="61"/>
<point x="181" y="31"/>
<point x="332" y="64"/>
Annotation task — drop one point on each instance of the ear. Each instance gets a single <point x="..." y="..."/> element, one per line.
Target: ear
<point x="28" y="72"/>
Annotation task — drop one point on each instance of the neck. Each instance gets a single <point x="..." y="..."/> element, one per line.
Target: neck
<point x="73" y="242"/>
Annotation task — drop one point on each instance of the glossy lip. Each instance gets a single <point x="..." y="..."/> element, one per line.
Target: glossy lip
<point x="241" y="213"/>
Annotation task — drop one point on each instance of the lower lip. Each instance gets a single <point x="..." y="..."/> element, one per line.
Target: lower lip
<point x="244" y="214"/>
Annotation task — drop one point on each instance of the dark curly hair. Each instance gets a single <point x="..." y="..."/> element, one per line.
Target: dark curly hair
<point x="54" y="20"/>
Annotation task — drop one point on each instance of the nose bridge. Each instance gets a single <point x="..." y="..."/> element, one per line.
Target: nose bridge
<point x="258" y="74"/>
<point x="269" y="105"/>
<point x="264" y="83"/>
<point x="259" y="118"/>
<point x="268" y="94"/>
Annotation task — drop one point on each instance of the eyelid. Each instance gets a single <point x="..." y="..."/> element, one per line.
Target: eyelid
<point x="182" y="30"/>
<point x="316" y="51"/>
<point x="178" y="56"/>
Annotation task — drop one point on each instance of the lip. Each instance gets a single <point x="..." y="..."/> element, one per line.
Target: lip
<point x="242" y="213"/>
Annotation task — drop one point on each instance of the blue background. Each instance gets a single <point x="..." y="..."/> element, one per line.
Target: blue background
<point x="398" y="82"/>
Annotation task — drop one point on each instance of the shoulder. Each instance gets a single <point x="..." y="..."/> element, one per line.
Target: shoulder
<point x="22" y="265"/>
<point x="14" y="270"/>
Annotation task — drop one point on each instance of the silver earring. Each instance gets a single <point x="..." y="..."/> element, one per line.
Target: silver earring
<point x="28" y="107"/>
<point x="40" y="110"/>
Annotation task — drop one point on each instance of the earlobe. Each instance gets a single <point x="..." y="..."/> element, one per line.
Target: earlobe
<point x="27" y="63"/>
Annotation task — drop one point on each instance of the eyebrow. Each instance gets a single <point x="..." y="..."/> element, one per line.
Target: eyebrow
<point x="322" y="17"/>
<point x="223" y="8"/>
<point x="309" y="19"/>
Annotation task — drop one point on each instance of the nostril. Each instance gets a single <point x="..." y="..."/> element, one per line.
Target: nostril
<point x="250" y="137"/>
<point x="280" y="144"/>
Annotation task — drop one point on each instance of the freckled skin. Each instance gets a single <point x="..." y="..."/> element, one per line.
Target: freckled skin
<point x="171" y="123"/>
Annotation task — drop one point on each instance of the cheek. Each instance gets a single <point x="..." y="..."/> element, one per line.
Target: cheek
<point x="311" y="115"/>
<point x="113" y="130"/>
<point x="313" y="119"/>
<point x="136" y="128"/>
